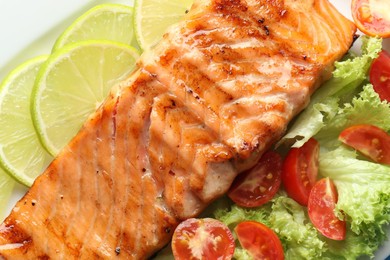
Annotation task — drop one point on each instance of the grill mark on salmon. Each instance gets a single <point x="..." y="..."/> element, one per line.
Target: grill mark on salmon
<point x="123" y="148"/>
<point x="202" y="106"/>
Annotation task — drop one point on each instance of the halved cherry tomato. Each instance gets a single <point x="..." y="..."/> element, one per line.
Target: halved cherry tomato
<point x="322" y="201"/>
<point x="372" y="17"/>
<point x="380" y="75"/>
<point x="300" y="170"/>
<point x="258" y="185"/>
<point x="205" y="238"/>
<point x="259" y="240"/>
<point x="370" y="140"/>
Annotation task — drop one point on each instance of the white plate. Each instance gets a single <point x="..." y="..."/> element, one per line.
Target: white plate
<point x="29" y="28"/>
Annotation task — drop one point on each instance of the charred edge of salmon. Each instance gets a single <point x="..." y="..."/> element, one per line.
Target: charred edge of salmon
<point x="11" y="232"/>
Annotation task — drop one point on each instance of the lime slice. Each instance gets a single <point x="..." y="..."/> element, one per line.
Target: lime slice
<point x="73" y="83"/>
<point x="153" y="17"/>
<point x="6" y="188"/>
<point x="21" y="154"/>
<point x="103" y="22"/>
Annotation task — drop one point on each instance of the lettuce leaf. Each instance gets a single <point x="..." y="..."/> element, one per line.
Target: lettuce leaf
<point x="287" y="218"/>
<point x="363" y="188"/>
<point x="300" y="239"/>
<point x="365" y="108"/>
<point x="348" y="77"/>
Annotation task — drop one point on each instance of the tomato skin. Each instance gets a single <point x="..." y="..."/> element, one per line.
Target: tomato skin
<point x="380" y="75"/>
<point x="259" y="240"/>
<point x="322" y="202"/>
<point x="300" y="169"/>
<point x="205" y="238"/>
<point x="370" y="17"/>
<point x="370" y="140"/>
<point x="258" y="185"/>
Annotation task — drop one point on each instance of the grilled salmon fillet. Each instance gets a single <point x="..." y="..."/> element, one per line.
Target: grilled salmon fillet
<point x="203" y="105"/>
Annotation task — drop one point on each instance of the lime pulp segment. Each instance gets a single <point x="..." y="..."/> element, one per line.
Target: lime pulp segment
<point x="6" y="188"/>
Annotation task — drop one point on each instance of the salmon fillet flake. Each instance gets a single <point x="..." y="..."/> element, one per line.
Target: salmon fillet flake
<point x="201" y="107"/>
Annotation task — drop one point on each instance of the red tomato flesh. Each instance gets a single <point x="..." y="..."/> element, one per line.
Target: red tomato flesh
<point x="258" y="185"/>
<point x="259" y="240"/>
<point x="300" y="170"/>
<point x="380" y="75"/>
<point x="322" y="202"/>
<point x="372" y="17"/>
<point x="205" y="238"/>
<point x="370" y="140"/>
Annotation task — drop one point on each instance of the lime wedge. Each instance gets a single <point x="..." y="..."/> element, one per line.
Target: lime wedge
<point x="6" y="187"/>
<point x="21" y="154"/>
<point x="153" y="17"/>
<point x="72" y="83"/>
<point x="103" y="22"/>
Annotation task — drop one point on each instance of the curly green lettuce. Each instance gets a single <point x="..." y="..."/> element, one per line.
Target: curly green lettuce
<point x="363" y="188"/>
<point x="348" y="77"/>
<point x="287" y="218"/>
<point x="299" y="238"/>
<point x="365" y="108"/>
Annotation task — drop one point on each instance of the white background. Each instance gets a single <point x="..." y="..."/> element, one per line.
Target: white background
<point x="30" y="27"/>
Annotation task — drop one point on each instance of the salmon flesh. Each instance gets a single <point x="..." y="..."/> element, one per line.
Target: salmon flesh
<point x="203" y="105"/>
